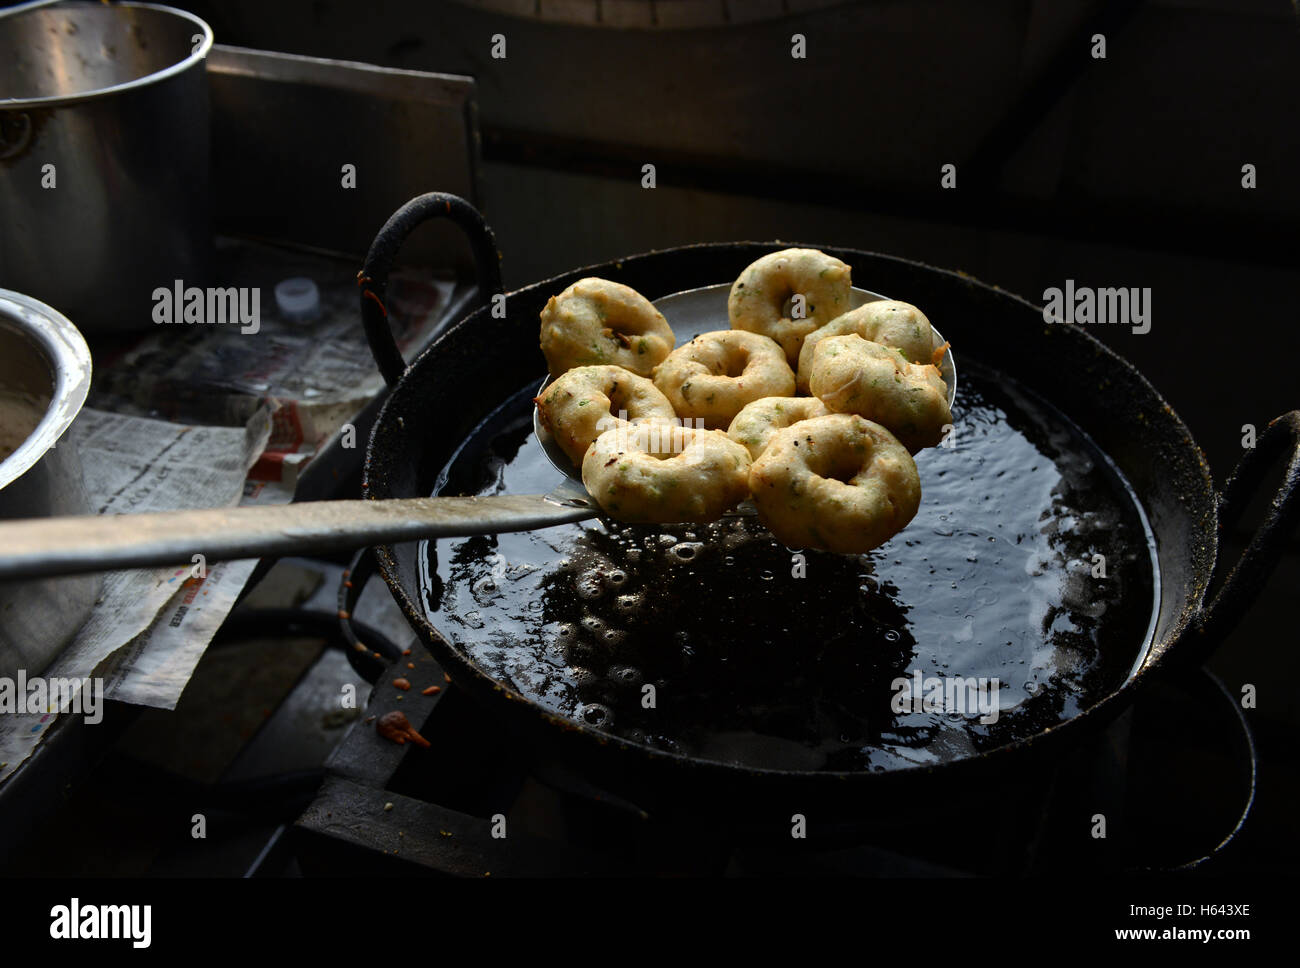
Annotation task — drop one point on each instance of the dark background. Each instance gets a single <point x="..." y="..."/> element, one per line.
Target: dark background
<point x="1117" y="172"/>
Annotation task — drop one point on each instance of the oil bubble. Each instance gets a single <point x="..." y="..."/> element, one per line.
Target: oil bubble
<point x="686" y="551"/>
<point x="590" y="584"/>
<point x="595" y="714"/>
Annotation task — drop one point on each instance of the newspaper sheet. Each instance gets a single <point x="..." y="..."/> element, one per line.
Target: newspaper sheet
<point x="241" y="417"/>
<point x="135" y="464"/>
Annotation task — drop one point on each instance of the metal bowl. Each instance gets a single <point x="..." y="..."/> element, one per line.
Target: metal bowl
<point x="44" y="357"/>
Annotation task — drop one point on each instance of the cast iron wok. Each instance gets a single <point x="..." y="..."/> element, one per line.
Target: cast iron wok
<point x="438" y="400"/>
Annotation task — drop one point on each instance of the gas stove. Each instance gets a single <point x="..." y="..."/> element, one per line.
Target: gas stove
<point x="1175" y="778"/>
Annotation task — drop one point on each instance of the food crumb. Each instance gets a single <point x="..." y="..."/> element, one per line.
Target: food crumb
<point x="431" y="691"/>
<point x="388" y="806"/>
<point x="402" y="684"/>
<point x="397" y="728"/>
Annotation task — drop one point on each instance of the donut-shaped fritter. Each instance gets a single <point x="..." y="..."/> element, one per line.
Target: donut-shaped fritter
<point x="898" y="325"/>
<point x="596" y="322"/>
<point x="652" y="473"/>
<point x="582" y="403"/>
<point x="755" y="425"/>
<point x="714" y="375"/>
<point x="760" y="293"/>
<point x="840" y="483"/>
<point x="852" y="375"/>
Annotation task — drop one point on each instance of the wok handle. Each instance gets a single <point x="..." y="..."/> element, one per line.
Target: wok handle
<point x="373" y="278"/>
<point x="1280" y="442"/>
<point x="43" y="547"/>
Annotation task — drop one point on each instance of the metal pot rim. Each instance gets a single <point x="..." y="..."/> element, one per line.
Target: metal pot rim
<point x="195" y="57"/>
<point x="65" y="349"/>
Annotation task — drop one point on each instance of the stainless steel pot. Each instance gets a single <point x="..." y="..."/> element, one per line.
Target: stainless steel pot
<point x="103" y="157"/>
<point x="43" y="357"/>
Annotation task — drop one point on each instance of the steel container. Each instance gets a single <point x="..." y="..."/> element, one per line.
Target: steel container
<point x="104" y="157"/>
<point x="43" y="357"/>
